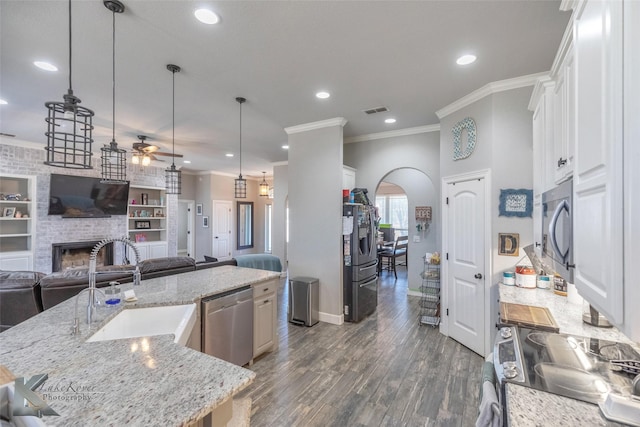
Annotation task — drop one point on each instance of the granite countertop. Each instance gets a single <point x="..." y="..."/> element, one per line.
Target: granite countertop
<point x="138" y="381"/>
<point x="568" y="315"/>
<point x="528" y="407"/>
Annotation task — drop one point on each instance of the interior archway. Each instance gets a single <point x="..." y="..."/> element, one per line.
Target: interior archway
<point x="420" y="191"/>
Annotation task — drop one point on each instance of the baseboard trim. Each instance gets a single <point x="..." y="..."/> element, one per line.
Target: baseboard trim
<point x="334" y="319"/>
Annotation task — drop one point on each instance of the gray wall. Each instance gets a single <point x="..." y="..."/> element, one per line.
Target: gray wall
<point x="208" y="187"/>
<point x="504" y="146"/>
<point x="315" y="206"/>
<point x="280" y="197"/>
<point x="413" y="163"/>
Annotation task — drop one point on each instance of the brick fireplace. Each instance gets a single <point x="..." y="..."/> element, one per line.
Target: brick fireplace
<point x="76" y="255"/>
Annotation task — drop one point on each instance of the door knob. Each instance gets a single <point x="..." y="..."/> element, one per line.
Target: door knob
<point x="478" y="276"/>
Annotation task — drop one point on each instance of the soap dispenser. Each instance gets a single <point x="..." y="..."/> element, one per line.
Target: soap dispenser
<point x="113" y="296"/>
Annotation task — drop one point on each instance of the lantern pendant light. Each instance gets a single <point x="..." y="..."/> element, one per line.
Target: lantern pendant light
<point x="240" y="183"/>
<point x="69" y="128"/>
<point x="264" y="187"/>
<point x="173" y="176"/>
<point x="114" y="159"/>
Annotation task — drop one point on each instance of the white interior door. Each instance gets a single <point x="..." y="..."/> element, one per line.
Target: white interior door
<point x="185" y="228"/>
<point x="465" y="233"/>
<point x="221" y="246"/>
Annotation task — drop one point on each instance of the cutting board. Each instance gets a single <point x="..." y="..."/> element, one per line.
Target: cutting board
<point x="528" y="316"/>
<point x="5" y="375"/>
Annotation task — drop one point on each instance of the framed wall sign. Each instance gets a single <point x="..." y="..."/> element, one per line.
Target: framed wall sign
<point x="516" y="202"/>
<point x="205" y="221"/>
<point x="508" y="244"/>
<point x="199" y="209"/>
<point x="142" y="225"/>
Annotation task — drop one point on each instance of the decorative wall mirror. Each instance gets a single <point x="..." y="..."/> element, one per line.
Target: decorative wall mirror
<point x="245" y="225"/>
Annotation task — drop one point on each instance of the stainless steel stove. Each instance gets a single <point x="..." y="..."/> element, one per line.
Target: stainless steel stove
<point x="581" y="368"/>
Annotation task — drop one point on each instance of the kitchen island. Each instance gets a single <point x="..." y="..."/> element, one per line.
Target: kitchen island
<point x="137" y="381"/>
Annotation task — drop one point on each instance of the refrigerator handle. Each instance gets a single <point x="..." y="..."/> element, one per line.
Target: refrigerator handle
<point x="373" y="245"/>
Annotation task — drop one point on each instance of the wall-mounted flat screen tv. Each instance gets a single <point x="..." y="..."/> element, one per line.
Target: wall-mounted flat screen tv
<point x="86" y="197"/>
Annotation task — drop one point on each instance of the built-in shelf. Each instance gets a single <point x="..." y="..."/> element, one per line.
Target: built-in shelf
<point x="151" y="242"/>
<point x="16" y="232"/>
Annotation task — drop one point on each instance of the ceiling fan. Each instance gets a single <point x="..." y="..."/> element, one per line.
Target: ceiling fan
<point x="144" y="152"/>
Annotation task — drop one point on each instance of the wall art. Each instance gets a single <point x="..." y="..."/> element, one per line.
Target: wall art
<point x="508" y="244"/>
<point x="517" y="203"/>
<point x="469" y="125"/>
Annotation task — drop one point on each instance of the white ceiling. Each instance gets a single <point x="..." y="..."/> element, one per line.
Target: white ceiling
<point x="277" y="54"/>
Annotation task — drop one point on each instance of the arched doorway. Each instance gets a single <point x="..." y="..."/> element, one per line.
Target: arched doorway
<point x="418" y="189"/>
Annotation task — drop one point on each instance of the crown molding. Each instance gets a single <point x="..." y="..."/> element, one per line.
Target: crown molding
<point x="393" y="133"/>
<point x="538" y="89"/>
<point x="490" y="89"/>
<point x="338" y="121"/>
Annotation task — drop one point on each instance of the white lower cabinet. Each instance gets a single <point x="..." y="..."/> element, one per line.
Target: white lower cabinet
<point x="151" y="250"/>
<point x="265" y="336"/>
<point x="16" y="261"/>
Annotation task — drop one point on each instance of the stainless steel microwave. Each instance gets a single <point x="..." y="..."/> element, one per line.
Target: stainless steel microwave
<point x="557" y="229"/>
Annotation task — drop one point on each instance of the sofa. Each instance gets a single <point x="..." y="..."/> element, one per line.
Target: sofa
<point x="20" y="297"/>
<point x="24" y="294"/>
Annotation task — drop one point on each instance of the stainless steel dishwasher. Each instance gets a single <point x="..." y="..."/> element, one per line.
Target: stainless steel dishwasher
<point x="227" y="321"/>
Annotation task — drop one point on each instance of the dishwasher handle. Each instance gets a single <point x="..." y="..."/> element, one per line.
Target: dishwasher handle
<point x="227" y="300"/>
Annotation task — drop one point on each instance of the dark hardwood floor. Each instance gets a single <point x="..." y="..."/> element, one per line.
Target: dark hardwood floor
<point x="384" y="371"/>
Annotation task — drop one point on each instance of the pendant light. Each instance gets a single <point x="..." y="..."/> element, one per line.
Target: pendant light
<point x="263" y="189"/>
<point x="69" y="128"/>
<point x="240" y="183"/>
<point x="172" y="175"/>
<point x="113" y="159"/>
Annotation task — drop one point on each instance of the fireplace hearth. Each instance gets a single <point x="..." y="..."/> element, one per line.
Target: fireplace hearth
<point x="76" y="255"/>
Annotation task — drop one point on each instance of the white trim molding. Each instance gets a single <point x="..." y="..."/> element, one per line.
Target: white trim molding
<point x="334" y="319"/>
<point x="490" y="89"/>
<point x="393" y="133"/>
<point x="338" y="121"/>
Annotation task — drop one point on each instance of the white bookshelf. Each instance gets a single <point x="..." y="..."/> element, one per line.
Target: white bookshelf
<point x="17" y="219"/>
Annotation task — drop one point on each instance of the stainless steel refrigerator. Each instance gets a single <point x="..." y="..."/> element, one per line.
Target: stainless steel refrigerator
<point x="360" y="261"/>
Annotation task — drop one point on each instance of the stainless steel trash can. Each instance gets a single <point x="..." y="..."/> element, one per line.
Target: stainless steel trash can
<point x="304" y="296"/>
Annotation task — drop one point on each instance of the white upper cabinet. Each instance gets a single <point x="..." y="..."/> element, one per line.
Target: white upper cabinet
<point x="564" y="115"/>
<point x="585" y="126"/>
<point x="598" y="166"/>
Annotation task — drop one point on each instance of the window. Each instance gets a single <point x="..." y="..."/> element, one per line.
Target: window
<point x="268" y="212"/>
<point x="394" y="209"/>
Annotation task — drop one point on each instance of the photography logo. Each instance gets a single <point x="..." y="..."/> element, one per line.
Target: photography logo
<point x="26" y="402"/>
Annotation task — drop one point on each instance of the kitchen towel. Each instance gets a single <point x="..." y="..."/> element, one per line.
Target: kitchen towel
<point x="489" y="415"/>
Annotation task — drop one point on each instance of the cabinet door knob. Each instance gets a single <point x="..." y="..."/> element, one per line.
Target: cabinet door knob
<point x="478" y="276"/>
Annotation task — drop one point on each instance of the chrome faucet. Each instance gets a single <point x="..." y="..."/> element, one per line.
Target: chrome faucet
<point x="91" y="306"/>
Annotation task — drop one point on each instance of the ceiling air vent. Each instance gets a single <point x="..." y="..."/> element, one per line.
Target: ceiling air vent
<point x="376" y="110"/>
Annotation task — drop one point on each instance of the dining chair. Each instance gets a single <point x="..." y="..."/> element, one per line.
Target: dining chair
<point x="388" y="258"/>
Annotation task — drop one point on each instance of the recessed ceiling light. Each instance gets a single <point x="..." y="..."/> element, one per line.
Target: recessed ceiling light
<point x="466" y="60"/>
<point x="186" y="161"/>
<point x="285" y="147"/>
<point x="206" y="16"/>
<point x="229" y="154"/>
<point x="3" y="102"/>
<point x="390" y="120"/>
<point x="45" y="66"/>
<point x="323" y="95"/>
